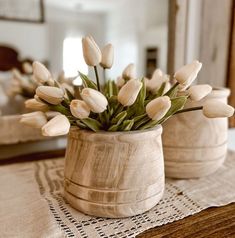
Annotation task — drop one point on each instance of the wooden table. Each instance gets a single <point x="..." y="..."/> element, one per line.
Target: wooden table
<point x="212" y="222"/>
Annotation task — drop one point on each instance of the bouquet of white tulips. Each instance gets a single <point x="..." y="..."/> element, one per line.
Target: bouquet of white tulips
<point x="125" y="105"/>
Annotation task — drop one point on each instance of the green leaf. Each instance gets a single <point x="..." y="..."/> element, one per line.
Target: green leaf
<point x="69" y="94"/>
<point x="87" y="82"/>
<point x="149" y="125"/>
<point x="81" y="125"/>
<point x="172" y="92"/>
<point x="160" y="90"/>
<point x="115" y="88"/>
<point x="140" y="117"/>
<point x="93" y="124"/>
<point x="113" y="128"/>
<point x="127" y="125"/>
<point x="119" y="118"/>
<point x="141" y="122"/>
<point x="176" y="105"/>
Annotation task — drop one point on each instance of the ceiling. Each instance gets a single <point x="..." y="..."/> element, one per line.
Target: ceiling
<point x="85" y="5"/>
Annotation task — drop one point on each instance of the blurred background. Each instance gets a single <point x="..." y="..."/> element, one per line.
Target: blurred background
<point x="152" y="34"/>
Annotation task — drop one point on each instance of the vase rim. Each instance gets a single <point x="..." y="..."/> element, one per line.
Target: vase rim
<point x="156" y="128"/>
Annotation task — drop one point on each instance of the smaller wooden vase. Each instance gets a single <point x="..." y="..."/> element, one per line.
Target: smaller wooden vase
<point x="114" y="174"/>
<point x="195" y="146"/>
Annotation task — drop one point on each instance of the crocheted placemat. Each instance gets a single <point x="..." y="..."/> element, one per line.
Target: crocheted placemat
<point x="32" y="203"/>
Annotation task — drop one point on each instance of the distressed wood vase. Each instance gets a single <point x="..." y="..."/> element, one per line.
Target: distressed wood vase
<point x="195" y="146"/>
<point x="114" y="174"/>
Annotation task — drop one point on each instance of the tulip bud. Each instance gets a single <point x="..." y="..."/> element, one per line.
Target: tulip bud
<point x="50" y="94"/>
<point x="120" y="81"/>
<point x="68" y="87"/>
<point x="41" y="73"/>
<point x="157" y="108"/>
<point x="156" y="81"/>
<point x="27" y="67"/>
<point x="187" y="74"/>
<point x="214" y="108"/>
<point x="91" y="51"/>
<point x="17" y="75"/>
<point x="197" y="92"/>
<point x="96" y="101"/>
<point x="79" y="109"/>
<point x="129" y="92"/>
<point x="129" y="72"/>
<point x="57" y="126"/>
<point x="167" y="87"/>
<point x="34" y="119"/>
<point x="35" y="105"/>
<point x="107" y="56"/>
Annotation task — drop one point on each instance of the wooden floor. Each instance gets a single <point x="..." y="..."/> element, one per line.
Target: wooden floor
<point x="212" y="222"/>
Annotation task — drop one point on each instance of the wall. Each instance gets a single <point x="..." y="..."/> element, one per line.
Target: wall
<point x="134" y="26"/>
<point x="30" y="39"/>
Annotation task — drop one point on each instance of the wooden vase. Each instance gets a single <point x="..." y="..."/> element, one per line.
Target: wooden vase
<point x="193" y="145"/>
<point x="114" y="174"/>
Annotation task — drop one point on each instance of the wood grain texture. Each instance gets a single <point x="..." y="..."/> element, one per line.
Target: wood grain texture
<point x="214" y="42"/>
<point x="116" y="174"/>
<point x="231" y="70"/>
<point x="193" y="145"/>
<point x="211" y="223"/>
<point x="177" y="30"/>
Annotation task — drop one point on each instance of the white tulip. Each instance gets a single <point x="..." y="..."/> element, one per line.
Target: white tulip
<point x="214" y="108"/>
<point x="27" y="67"/>
<point x="36" y="105"/>
<point x="41" y="73"/>
<point x="187" y="74"/>
<point x="158" y="78"/>
<point x="91" y="52"/>
<point x="107" y="56"/>
<point x="198" y="92"/>
<point x="120" y="81"/>
<point x="68" y="87"/>
<point x="50" y="94"/>
<point x="57" y="126"/>
<point x="129" y="92"/>
<point x="167" y="87"/>
<point x="34" y="119"/>
<point x="129" y="72"/>
<point x="79" y="109"/>
<point x="17" y="75"/>
<point x="94" y="99"/>
<point x="157" y="108"/>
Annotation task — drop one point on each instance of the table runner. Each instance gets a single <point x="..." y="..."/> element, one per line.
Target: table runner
<point x="32" y="203"/>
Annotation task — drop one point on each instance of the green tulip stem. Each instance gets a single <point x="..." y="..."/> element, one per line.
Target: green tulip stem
<point x="104" y="74"/>
<point x="97" y="77"/>
<point x="189" y="110"/>
<point x="172" y="88"/>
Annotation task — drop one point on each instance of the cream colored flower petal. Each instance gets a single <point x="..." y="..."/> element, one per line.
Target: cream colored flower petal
<point x="107" y="56"/>
<point x="188" y="73"/>
<point x="57" y="126"/>
<point x="157" y="108"/>
<point x="214" y="108"/>
<point x="91" y="52"/>
<point x="129" y="72"/>
<point x="79" y="109"/>
<point x="33" y="104"/>
<point x="50" y="94"/>
<point x="198" y="92"/>
<point x="96" y="101"/>
<point x="34" y="119"/>
<point x="129" y="92"/>
<point x="40" y="72"/>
